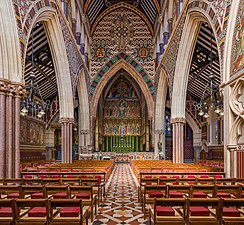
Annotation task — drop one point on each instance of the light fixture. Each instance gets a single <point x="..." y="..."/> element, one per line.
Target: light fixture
<point x="212" y="99"/>
<point x="32" y="102"/>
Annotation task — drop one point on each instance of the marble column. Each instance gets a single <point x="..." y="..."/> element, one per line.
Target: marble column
<point x="178" y="139"/>
<point x="17" y="100"/>
<point x="233" y="163"/>
<point x="3" y="90"/>
<point x="66" y="126"/>
<point x="10" y="94"/>
<point x="9" y="133"/>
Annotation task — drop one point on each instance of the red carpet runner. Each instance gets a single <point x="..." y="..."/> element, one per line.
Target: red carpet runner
<point x="120" y="204"/>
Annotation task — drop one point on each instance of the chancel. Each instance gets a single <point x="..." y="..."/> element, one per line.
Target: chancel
<point x="121" y="112"/>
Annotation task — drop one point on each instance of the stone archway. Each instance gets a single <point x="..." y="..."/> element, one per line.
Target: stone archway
<point x="122" y="64"/>
<point x="182" y="68"/>
<point x="56" y="42"/>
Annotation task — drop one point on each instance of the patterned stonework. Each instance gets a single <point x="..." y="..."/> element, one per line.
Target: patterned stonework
<point x="237" y="56"/>
<point x="126" y="33"/>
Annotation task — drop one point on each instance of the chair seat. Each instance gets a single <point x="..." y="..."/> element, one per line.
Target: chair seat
<point x="199" y="195"/>
<point x="37" y="195"/>
<point x="37" y="212"/>
<point x="5" y="212"/>
<point x="156" y="195"/>
<point x="70" y="212"/>
<point x="59" y="195"/>
<point x="83" y="196"/>
<point x="13" y="195"/>
<point x="199" y="211"/>
<point x="165" y="211"/>
<point x="231" y="212"/>
<point x="176" y="195"/>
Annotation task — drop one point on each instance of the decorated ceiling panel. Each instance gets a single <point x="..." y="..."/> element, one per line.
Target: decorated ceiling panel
<point x="122" y="30"/>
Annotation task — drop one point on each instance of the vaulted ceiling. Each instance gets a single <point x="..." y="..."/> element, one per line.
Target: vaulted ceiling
<point x="42" y="64"/>
<point x="201" y="66"/>
<point x="93" y="8"/>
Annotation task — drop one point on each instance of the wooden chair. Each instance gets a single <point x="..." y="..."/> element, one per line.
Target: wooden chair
<point x="57" y="192"/>
<point x="232" y="214"/>
<point x="205" y="181"/>
<point x="32" y="181"/>
<point x="151" y="192"/>
<point x="168" y="211"/>
<point x="7" y="214"/>
<point x="34" y="192"/>
<point x="85" y="193"/>
<point x="201" y="191"/>
<point x="13" y="181"/>
<point x="224" y="181"/>
<point x="11" y="191"/>
<point x="143" y="182"/>
<point x="178" y="191"/>
<point x="187" y="181"/>
<point x="68" y="212"/>
<point x="70" y="181"/>
<point x="202" y="211"/>
<point x="227" y="191"/>
<point x="169" y="181"/>
<point x="51" y="181"/>
<point x="95" y="184"/>
<point x="31" y="211"/>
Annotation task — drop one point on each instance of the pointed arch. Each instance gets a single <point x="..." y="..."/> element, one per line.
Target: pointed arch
<point x="122" y="64"/>
<point x="57" y="46"/>
<point x="131" y="62"/>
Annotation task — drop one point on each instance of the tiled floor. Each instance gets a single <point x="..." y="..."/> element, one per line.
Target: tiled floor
<point x="120" y="204"/>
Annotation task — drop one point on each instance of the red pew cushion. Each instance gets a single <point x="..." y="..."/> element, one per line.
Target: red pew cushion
<point x="199" y="195"/>
<point x="155" y="195"/>
<point x="6" y="212"/>
<point x="59" y="195"/>
<point x="83" y="196"/>
<point x="232" y="212"/>
<point x="70" y="212"/>
<point x="13" y="195"/>
<point x="37" y="212"/>
<point x="198" y="211"/>
<point x="37" y="195"/>
<point x="223" y="195"/>
<point x="164" y="211"/>
<point x="176" y="195"/>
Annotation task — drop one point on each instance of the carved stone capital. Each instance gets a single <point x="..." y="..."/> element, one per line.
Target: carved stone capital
<point x="4" y="86"/>
<point x="66" y="120"/>
<point x="178" y="120"/>
<point x="232" y="148"/>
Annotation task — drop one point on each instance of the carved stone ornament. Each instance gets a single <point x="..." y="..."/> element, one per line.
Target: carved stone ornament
<point x="236" y="100"/>
<point x="178" y="120"/>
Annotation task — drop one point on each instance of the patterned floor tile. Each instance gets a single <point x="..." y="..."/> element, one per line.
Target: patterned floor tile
<point x="120" y="205"/>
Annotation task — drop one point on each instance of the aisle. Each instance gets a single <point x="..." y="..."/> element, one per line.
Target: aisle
<point x="120" y="204"/>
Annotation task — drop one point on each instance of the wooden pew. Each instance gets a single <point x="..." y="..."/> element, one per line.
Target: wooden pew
<point x="167" y="211"/>
<point x="85" y="193"/>
<point x="31" y="211"/>
<point x="68" y="212"/>
<point x="7" y="213"/>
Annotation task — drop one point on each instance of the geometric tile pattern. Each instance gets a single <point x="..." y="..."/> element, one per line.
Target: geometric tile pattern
<point x="120" y="205"/>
